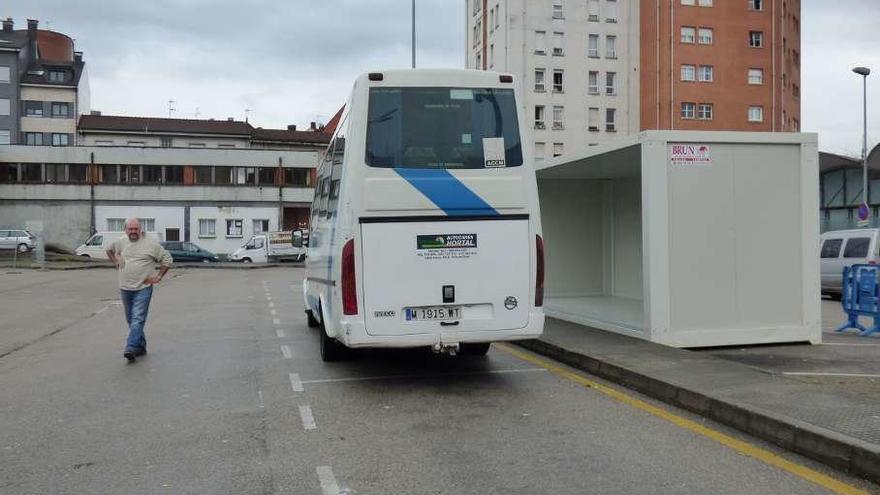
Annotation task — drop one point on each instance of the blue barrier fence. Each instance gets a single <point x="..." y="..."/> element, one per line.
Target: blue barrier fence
<point x="861" y="297"/>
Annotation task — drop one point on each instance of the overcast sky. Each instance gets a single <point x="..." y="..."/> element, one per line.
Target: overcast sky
<point x="293" y="61"/>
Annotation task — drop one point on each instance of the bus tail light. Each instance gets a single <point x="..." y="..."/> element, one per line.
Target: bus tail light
<point x="539" y="272"/>
<point x="349" y="285"/>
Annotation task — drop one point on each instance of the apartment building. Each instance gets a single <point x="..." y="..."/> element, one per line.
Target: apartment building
<point x="720" y="65"/>
<point x="577" y="62"/>
<point x="595" y="69"/>
<point x="43" y="86"/>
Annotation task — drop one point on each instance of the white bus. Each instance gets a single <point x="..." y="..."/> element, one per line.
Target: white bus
<point x="425" y="229"/>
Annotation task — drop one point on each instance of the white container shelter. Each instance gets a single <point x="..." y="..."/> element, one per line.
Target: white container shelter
<point x="689" y="239"/>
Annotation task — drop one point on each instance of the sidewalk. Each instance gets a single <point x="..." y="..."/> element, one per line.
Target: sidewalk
<point x="819" y="420"/>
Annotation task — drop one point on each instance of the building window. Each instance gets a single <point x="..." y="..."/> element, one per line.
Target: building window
<point x="540" y="42"/>
<point x="32" y="172"/>
<point x="611" y="46"/>
<point x="593" y="46"/>
<point x="148" y="224"/>
<point x="795" y="90"/>
<point x="497" y="16"/>
<point x="202" y="175"/>
<point x="60" y="109"/>
<point x="688" y="34"/>
<point x="152" y="174"/>
<point x="56" y="172"/>
<point x="298" y="177"/>
<point x="610" y="114"/>
<point x="756" y="76"/>
<point x="130" y="174"/>
<point x="557" y="9"/>
<point x="4" y="74"/>
<point x="4" y="137"/>
<point x="558" y="111"/>
<point x="233" y="228"/>
<point x="688" y="72"/>
<point x="101" y="142"/>
<point x="492" y="55"/>
<point x="756" y="4"/>
<point x="33" y="108"/>
<point x="688" y="110"/>
<point x="756" y="114"/>
<point x="539" y="80"/>
<point x="557" y="149"/>
<point x="705" y="3"/>
<point x="165" y="141"/>
<point x="611" y="11"/>
<point x="707" y="73"/>
<point x="266" y="176"/>
<point x="756" y="39"/>
<point x="115" y="225"/>
<point x="8" y="173"/>
<point x="33" y="138"/>
<point x="557" y="80"/>
<point x="4" y="106"/>
<point x="174" y="174"/>
<point x="479" y="64"/>
<point x="261" y="226"/>
<point x="558" y="43"/>
<point x="705" y="37"/>
<point x="197" y="145"/>
<point x="688" y="2"/>
<point x="539" y="116"/>
<point x="223" y="175"/>
<point x="77" y="172"/>
<point x="611" y="83"/>
<point x="705" y="111"/>
<point x="593" y="11"/>
<point x="109" y="174"/>
<point x="593" y="82"/>
<point x="57" y="76"/>
<point x="477" y="4"/>
<point x="593" y="119"/>
<point x="207" y="227"/>
<point x="60" y="139"/>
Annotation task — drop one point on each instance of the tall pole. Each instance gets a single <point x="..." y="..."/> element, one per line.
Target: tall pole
<point x="864" y="72"/>
<point x="413" y="34"/>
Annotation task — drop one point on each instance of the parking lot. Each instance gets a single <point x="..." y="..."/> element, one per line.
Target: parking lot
<point x="233" y="398"/>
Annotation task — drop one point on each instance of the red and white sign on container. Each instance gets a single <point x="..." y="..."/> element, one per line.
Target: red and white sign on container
<point x="690" y="154"/>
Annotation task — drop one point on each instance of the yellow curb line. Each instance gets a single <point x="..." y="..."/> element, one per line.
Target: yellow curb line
<point x="726" y="440"/>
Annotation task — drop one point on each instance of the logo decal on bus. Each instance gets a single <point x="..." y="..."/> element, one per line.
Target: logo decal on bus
<point x="446" y="241"/>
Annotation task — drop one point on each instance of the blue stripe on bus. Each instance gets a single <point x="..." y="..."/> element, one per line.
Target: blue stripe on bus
<point x="446" y="191"/>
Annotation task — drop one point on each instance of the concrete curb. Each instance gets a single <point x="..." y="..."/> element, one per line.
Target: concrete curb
<point x="828" y="447"/>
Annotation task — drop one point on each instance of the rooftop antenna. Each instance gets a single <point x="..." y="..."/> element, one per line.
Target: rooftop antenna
<point x="197" y="113"/>
<point x="171" y="107"/>
<point x="247" y="112"/>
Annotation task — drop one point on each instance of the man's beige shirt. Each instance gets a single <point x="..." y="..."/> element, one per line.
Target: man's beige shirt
<point x="138" y="260"/>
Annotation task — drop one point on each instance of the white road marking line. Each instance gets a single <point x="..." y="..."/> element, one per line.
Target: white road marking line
<point x="262" y="404"/>
<point x="280" y="333"/>
<point x="308" y="419"/>
<point x="276" y="321"/>
<point x="285" y="351"/>
<point x="268" y="298"/>
<point x="431" y="375"/>
<point x="329" y="486"/>
<point x="273" y="312"/>
<point x="271" y="304"/>
<point x="295" y="383"/>
<point x="842" y="375"/>
<point x="866" y="344"/>
<point x="105" y="308"/>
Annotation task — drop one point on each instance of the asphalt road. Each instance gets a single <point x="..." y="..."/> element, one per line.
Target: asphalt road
<point x="233" y="398"/>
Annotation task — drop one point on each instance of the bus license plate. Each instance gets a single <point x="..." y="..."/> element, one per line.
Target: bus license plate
<point x="434" y="313"/>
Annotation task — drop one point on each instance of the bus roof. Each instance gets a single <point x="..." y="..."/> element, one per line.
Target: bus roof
<point x="438" y="77"/>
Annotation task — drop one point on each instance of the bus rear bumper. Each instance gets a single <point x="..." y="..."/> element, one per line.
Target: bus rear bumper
<point x="354" y="335"/>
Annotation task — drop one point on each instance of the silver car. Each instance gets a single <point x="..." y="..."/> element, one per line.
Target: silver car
<point x="22" y="240"/>
<point x="842" y="248"/>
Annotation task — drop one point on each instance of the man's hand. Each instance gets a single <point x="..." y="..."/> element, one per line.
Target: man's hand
<point x="152" y="280"/>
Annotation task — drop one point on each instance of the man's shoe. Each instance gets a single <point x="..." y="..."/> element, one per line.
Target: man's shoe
<point x="140" y="351"/>
<point x="129" y="354"/>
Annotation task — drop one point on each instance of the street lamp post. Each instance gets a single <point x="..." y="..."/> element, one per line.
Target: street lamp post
<point x="864" y="72"/>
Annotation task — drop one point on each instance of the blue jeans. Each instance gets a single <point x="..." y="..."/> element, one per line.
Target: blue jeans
<point x="136" y="304"/>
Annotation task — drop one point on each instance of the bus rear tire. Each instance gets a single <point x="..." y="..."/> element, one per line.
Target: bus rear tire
<point x="478" y="349"/>
<point x="331" y="349"/>
<point x="312" y="321"/>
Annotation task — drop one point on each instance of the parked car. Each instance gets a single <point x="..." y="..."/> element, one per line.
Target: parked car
<point x="842" y="248"/>
<point x="187" y="251"/>
<point x="96" y="245"/>
<point x="21" y="240"/>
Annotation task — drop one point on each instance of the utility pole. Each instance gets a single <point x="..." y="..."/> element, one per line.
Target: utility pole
<point x="413" y="34"/>
<point x="171" y="108"/>
<point x="864" y="209"/>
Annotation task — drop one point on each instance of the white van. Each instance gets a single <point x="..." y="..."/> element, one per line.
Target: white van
<point x="97" y="244"/>
<point x="273" y="246"/>
<point x="841" y="248"/>
<point x="425" y="228"/>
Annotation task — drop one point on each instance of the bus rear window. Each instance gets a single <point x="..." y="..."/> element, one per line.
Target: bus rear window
<point x="445" y="128"/>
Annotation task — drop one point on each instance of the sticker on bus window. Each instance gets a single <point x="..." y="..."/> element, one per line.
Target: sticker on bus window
<point x="466" y="139"/>
<point x="493" y="152"/>
<point x="461" y="94"/>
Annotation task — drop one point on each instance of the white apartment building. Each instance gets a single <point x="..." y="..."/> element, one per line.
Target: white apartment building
<point x="577" y="62"/>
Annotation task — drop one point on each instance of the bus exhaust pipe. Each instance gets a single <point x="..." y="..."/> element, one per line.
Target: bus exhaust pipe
<point x="441" y="348"/>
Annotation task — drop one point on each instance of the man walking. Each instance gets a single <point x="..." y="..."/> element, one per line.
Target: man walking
<point x="135" y="257"/>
